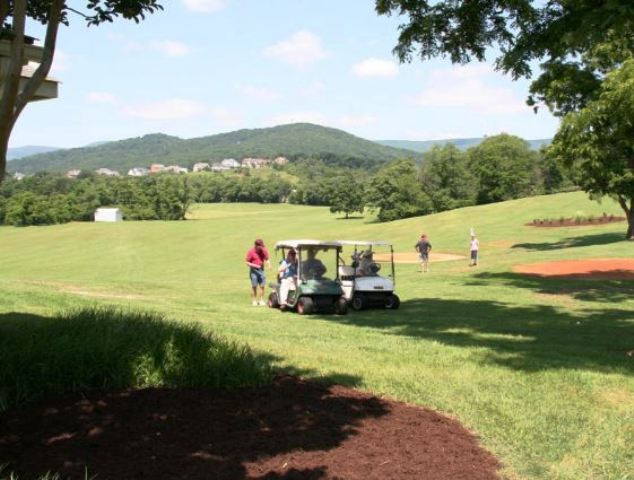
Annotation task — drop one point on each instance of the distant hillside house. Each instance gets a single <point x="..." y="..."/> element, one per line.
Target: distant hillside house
<point x="255" y="162"/>
<point x="219" y="167"/>
<point x="18" y="176"/>
<point x="280" y="161"/>
<point x="176" y="169"/>
<point x="107" y="172"/>
<point x="138" y="172"/>
<point x="108" y="215"/>
<point x="230" y="163"/>
<point x="157" y="167"/>
<point x="73" y="173"/>
<point x="199" y="167"/>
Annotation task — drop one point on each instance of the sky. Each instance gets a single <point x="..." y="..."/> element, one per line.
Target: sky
<point x="203" y="67"/>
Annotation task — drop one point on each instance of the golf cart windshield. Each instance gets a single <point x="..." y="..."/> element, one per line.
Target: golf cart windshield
<point x="369" y="258"/>
<point x="315" y="258"/>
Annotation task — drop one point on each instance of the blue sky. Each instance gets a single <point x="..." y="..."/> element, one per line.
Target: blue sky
<point x="203" y="67"/>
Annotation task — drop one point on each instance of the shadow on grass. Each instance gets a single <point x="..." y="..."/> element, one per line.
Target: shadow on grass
<point x="528" y="338"/>
<point x="222" y="412"/>
<point x="573" y="242"/>
<point x="589" y="289"/>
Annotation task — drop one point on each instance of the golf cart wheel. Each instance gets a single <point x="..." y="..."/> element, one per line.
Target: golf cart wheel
<point x="393" y="302"/>
<point x="341" y="306"/>
<point x="305" y="306"/>
<point x="357" y="302"/>
<point x="273" y="301"/>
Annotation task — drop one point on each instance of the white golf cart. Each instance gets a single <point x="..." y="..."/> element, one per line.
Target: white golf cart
<point x="363" y="285"/>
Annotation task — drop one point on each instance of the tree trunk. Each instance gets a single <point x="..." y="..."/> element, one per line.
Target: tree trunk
<point x="629" y="215"/>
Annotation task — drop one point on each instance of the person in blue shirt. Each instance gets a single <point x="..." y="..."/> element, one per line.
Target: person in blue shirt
<point x="288" y="276"/>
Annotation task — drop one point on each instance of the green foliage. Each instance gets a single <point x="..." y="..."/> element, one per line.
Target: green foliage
<point x="446" y="178"/>
<point x="597" y="142"/>
<point x="347" y="196"/>
<point x="504" y="168"/>
<point x="396" y="192"/>
<point x="105" y="348"/>
<point x="297" y="141"/>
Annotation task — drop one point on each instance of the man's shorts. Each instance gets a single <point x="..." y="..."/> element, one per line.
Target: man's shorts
<point x="258" y="277"/>
<point x="424" y="257"/>
<point x="474" y="255"/>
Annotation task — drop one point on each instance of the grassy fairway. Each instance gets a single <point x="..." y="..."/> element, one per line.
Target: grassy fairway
<point x="538" y="368"/>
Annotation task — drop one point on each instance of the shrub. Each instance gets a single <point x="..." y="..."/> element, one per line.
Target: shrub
<point x="106" y="348"/>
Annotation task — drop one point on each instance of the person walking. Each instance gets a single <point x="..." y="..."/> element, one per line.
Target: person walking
<point x="255" y="259"/>
<point x="423" y="247"/>
<point x="475" y="247"/>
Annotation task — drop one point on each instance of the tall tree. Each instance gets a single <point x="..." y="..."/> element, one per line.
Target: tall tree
<point x="52" y="13"/>
<point x="505" y="168"/>
<point x="597" y="142"/>
<point x="347" y="196"/>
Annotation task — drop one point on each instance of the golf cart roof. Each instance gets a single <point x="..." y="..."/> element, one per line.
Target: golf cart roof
<point x="306" y="243"/>
<point x="365" y="243"/>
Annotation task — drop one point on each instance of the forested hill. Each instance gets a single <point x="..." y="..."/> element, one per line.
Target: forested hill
<point x="422" y="146"/>
<point x="295" y="141"/>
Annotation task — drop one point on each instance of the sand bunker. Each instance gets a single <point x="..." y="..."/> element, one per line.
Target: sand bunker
<point x="412" y="257"/>
<point x="600" y="268"/>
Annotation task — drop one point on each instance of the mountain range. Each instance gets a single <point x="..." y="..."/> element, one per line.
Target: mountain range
<point x="294" y="141"/>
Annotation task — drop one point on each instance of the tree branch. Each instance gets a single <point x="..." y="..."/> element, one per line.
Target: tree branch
<point x="12" y="82"/>
<point x="44" y="67"/>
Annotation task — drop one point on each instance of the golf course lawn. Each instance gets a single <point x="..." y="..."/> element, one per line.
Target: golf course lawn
<point x="539" y="368"/>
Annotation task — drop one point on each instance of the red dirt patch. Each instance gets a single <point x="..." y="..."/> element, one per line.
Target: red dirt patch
<point x="290" y="430"/>
<point x="412" y="257"/>
<point x="600" y="268"/>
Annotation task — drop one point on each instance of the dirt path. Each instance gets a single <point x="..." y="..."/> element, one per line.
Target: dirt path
<point x="598" y="268"/>
<point x="290" y="430"/>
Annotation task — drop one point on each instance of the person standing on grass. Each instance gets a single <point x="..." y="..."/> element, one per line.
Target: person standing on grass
<point x="475" y="247"/>
<point x="256" y="257"/>
<point x="423" y="247"/>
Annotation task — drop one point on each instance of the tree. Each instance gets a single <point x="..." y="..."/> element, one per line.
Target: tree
<point x="347" y="196"/>
<point x="504" y="167"/>
<point x="578" y="41"/>
<point x="51" y="13"/>
<point x="396" y="192"/>
<point x="446" y="178"/>
<point x="597" y="142"/>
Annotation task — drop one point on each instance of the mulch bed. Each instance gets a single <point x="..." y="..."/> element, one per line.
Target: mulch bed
<point x="591" y="269"/>
<point x="573" y="222"/>
<point x="293" y="429"/>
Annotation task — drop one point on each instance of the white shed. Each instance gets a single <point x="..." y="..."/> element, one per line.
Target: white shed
<point x="108" y="215"/>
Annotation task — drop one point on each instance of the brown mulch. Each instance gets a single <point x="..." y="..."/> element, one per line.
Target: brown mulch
<point x="591" y="269"/>
<point x="293" y="429"/>
<point x="571" y="222"/>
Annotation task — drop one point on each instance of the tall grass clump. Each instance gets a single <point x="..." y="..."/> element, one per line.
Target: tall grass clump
<point x="106" y="348"/>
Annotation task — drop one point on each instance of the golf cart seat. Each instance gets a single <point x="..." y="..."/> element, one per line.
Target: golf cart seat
<point x="346" y="272"/>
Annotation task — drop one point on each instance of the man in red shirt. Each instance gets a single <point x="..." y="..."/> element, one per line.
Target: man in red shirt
<point x="256" y="257"/>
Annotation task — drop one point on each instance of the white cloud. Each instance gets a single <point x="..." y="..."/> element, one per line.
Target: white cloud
<point x="471" y="87"/>
<point x="226" y="116"/>
<point x="313" y="89"/>
<point x="170" y="48"/>
<point x="357" y="120"/>
<point x="375" y="67"/>
<point x="298" y="117"/>
<point x="260" y="94"/>
<point x="100" y="97"/>
<point x="300" y="50"/>
<point x="169" y="109"/>
<point x="204" y="6"/>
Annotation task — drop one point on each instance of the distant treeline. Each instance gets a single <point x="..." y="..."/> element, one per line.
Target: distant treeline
<point x="500" y="168"/>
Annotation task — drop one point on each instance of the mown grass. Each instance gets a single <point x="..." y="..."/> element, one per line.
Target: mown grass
<point x="105" y="348"/>
<point x="538" y="368"/>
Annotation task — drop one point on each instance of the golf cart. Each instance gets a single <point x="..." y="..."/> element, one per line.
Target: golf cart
<point x="363" y="286"/>
<point x="311" y="292"/>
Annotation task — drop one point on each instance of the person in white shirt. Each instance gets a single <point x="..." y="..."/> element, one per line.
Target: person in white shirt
<point x="475" y="247"/>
